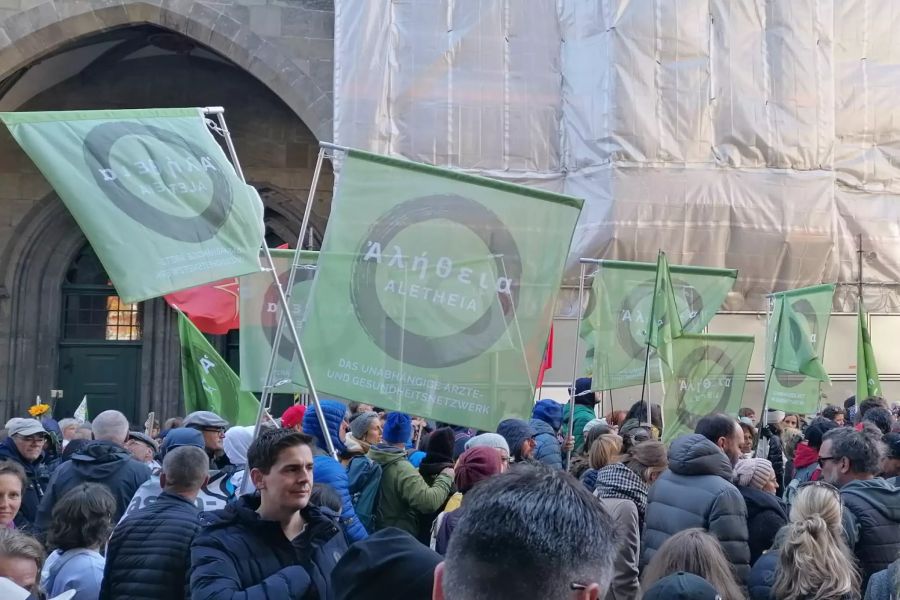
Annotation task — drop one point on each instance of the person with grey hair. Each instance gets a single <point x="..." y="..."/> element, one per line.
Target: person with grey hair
<point x="68" y="428"/>
<point x="532" y="532"/>
<point x="850" y="461"/>
<point x="105" y="460"/>
<point x="149" y="553"/>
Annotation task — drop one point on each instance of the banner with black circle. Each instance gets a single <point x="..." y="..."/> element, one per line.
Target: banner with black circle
<point x="260" y="310"/>
<point x="440" y="287"/>
<point x="152" y="191"/>
<point x="707" y="374"/>
<point x="616" y="320"/>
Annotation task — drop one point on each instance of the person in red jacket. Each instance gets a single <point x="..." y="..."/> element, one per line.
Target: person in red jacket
<point x="806" y="459"/>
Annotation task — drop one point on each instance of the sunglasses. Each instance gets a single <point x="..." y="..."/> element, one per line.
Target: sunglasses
<point x="825" y="459"/>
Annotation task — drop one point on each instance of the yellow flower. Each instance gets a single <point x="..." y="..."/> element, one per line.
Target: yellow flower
<point x="38" y="409"/>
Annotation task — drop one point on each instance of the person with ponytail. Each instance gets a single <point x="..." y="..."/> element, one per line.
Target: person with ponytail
<point x="810" y="560"/>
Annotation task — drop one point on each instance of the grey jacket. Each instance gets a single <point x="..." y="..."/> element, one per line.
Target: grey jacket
<point x="872" y="523"/>
<point x="625" y="584"/>
<point x="696" y="491"/>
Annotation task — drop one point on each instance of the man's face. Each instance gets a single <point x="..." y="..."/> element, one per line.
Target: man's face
<point x="834" y="469"/>
<point x="20" y="570"/>
<point x="752" y="417"/>
<point x="68" y="433"/>
<point x="30" y="446"/>
<point x="504" y="460"/>
<point x="288" y="484"/>
<point x="839" y="419"/>
<point x="731" y="445"/>
<point x="528" y="448"/>
<point x="213" y="438"/>
<point x="139" y="450"/>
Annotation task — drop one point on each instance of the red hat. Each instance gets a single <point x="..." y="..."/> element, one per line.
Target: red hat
<point x="293" y="416"/>
<point x="476" y="464"/>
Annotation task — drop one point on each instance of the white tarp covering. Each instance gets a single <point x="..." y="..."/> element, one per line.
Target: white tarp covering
<point x="752" y="134"/>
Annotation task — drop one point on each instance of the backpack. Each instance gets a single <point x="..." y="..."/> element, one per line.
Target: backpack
<point x="365" y="484"/>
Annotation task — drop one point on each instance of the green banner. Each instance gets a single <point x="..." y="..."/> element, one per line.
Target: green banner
<point x="152" y="191"/>
<point x="795" y="344"/>
<point x="209" y="383"/>
<point x="664" y="309"/>
<point x="867" y="381"/>
<point x="435" y="290"/>
<point x="616" y="325"/>
<point x="708" y="374"/>
<point x="259" y="320"/>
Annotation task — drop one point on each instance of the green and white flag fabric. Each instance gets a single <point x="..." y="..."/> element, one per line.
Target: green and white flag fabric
<point x="616" y="323"/>
<point x="208" y="381"/>
<point x="795" y="344"/>
<point x="666" y="322"/>
<point x="867" y="381"/>
<point x="259" y="320"/>
<point x="707" y="375"/>
<point x="435" y="290"/>
<point x="152" y="191"/>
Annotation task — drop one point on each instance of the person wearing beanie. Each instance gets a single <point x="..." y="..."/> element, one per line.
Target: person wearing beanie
<point x="495" y="441"/>
<point x="520" y="437"/>
<point x="365" y="431"/>
<point x="326" y="469"/>
<point x="546" y="420"/>
<point x="473" y="467"/>
<point x="389" y="564"/>
<point x="404" y="496"/>
<point x="292" y="417"/>
<point x="438" y="448"/>
<point x="766" y="513"/>
<point x="585" y="400"/>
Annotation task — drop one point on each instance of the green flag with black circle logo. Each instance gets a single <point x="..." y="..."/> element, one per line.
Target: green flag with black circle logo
<point x="260" y="310"/>
<point x="152" y="191"/>
<point x="435" y="290"/>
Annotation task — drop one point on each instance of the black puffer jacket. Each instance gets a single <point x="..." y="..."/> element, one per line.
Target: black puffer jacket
<point x="696" y="491"/>
<point x="872" y="523"/>
<point x="99" y="462"/>
<point x="766" y="514"/>
<point x="150" y="551"/>
<point x="38" y="473"/>
<point x="240" y="556"/>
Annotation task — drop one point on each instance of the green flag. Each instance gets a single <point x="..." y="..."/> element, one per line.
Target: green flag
<point x="665" y="320"/>
<point x="259" y="320"/>
<point x="867" y="381"/>
<point x="435" y="290"/>
<point x="616" y="323"/>
<point x="152" y="191"/>
<point x="795" y="343"/>
<point x="707" y="375"/>
<point x="209" y="383"/>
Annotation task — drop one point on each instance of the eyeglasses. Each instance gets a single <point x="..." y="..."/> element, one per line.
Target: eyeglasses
<point x="578" y="587"/>
<point x="825" y="459"/>
<point x="32" y="439"/>
<point x="219" y="430"/>
<point x="821" y="484"/>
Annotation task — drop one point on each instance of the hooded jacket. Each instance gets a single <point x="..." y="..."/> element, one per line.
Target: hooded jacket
<point x="547" y="449"/>
<point x="766" y="514"/>
<point x="583" y="415"/>
<point x="238" y="555"/>
<point x="883" y="584"/>
<point x="404" y="495"/>
<point x="696" y="491"/>
<point x="806" y="463"/>
<point x="99" y="462"/>
<point x="872" y="523"/>
<point x="38" y="473"/>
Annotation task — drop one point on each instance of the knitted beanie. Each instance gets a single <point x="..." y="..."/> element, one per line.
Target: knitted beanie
<point x="488" y="440"/>
<point x="361" y="422"/>
<point x="476" y="465"/>
<point x="753" y="472"/>
<point x="397" y="428"/>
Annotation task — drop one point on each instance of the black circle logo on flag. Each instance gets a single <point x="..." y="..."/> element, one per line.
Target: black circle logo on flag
<point x="268" y="318"/>
<point x="805" y="309"/>
<point x="437" y="351"/>
<point x="98" y="148"/>
<point x="625" y="331"/>
<point x="709" y="358"/>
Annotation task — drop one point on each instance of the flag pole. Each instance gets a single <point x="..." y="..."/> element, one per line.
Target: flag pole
<point x="285" y="306"/>
<point x="763" y="417"/>
<point x="652" y="323"/>
<point x="578" y="311"/>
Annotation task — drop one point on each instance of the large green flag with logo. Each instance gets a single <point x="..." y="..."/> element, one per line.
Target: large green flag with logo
<point x="616" y="326"/>
<point x="208" y="381"/>
<point x="260" y="310"/>
<point x="795" y="344"/>
<point x="152" y="191"/>
<point x="867" y="380"/>
<point x="707" y="374"/>
<point x="435" y="290"/>
<point x="665" y="320"/>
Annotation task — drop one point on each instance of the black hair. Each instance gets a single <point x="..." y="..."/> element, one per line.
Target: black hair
<point x="638" y="411"/>
<point x="263" y="452"/>
<point x="880" y="418"/>
<point x="816" y="430"/>
<point x="529" y="533"/>
<point x="715" y="426"/>
<point x="831" y="411"/>
<point x="324" y="495"/>
<point x="592" y="434"/>
<point x="849" y="402"/>
<point x="868" y="404"/>
<point x="82" y="518"/>
<point x="863" y="448"/>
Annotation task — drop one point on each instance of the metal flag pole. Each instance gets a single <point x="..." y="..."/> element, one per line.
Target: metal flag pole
<point x="763" y="417"/>
<point x="285" y="306"/>
<point x="652" y="324"/>
<point x="578" y="310"/>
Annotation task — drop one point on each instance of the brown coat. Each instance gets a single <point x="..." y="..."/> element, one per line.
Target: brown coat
<point x="625" y="584"/>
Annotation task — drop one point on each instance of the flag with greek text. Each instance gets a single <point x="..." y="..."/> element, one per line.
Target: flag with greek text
<point x="260" y="311"/>
<point x="152" y="191"/>
<point x="435" y="290"/>
<point x="208" y="381"/>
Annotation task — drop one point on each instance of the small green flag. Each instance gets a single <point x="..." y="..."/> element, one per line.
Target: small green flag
<point x="707" y="374"/>
<point x="665" y="322"/>
<point x="260" y="310"/>
<point x="867" y="381"/>
<point x="209" y="383"/>
<point x="152" y="191"/>
<point x="616" y="326"/>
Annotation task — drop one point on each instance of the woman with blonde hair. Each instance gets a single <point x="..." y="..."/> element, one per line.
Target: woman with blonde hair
<point x="604" y="451"/>
<point x="810" y="560"/>
<point x="694" y="551"/>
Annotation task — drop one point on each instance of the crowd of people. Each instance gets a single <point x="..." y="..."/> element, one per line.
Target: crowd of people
<point x="798" y="507"/>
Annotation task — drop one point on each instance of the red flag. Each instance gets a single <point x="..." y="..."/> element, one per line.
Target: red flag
<point x="213" y="308"/>
<point x="548" y="358"/>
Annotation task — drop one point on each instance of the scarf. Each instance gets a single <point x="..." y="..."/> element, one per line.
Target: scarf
<point x="618" y="481"/>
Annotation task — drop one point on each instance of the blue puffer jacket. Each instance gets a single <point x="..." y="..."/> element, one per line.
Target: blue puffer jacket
<point x="38" y="474"/>
<point x="547" y="449"/>
<point x="327" y="470"/>
<point x="239" y="556"/>
<point x="762" y="576"/>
